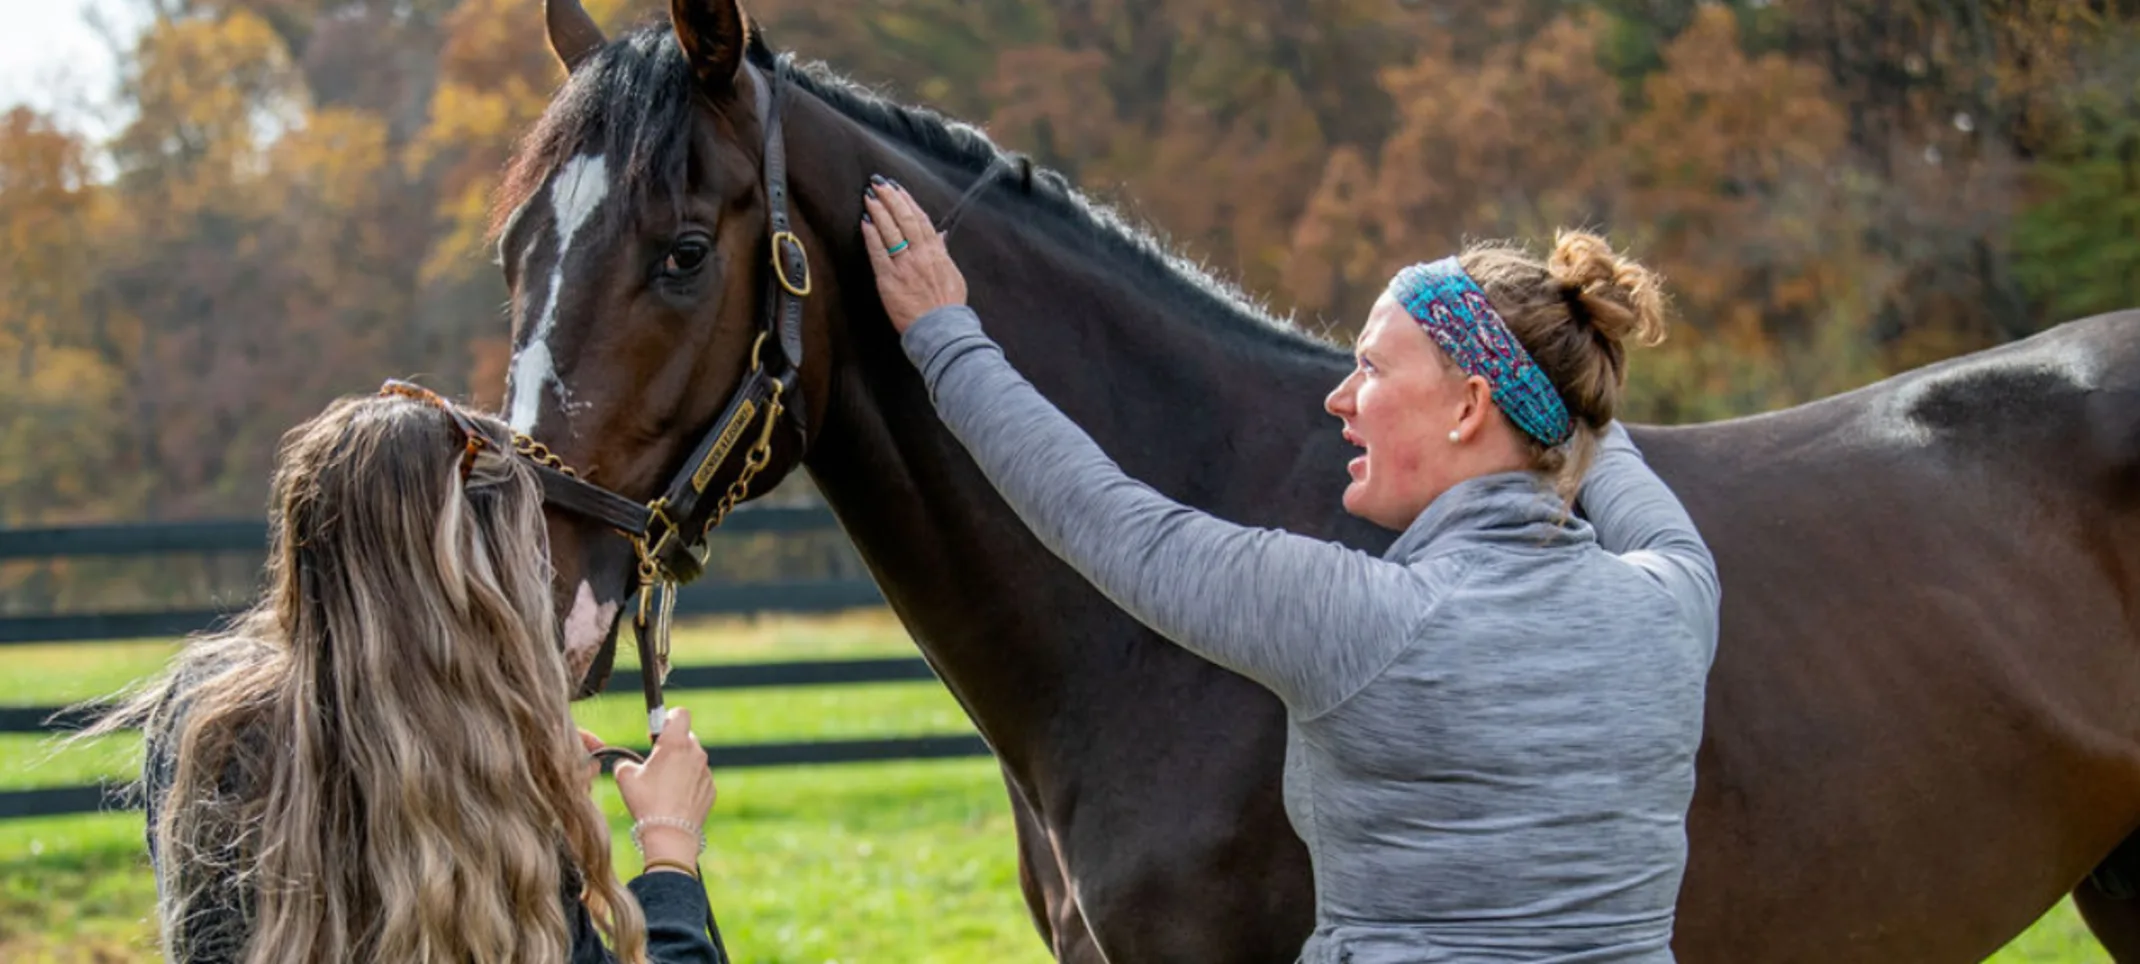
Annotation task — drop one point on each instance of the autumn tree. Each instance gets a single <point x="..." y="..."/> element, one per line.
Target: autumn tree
<point x="249" y="263"/>
<point x="59" y="393"/>
<point x="296" y="204"/>
<point x="2078" y="247"/>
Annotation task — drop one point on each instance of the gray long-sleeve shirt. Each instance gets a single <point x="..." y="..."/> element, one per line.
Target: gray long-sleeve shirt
<point x="1491" y="727"/>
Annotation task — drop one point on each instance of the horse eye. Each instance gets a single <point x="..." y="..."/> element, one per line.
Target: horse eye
<point x="686" y="257"/>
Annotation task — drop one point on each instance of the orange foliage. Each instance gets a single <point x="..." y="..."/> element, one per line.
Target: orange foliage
<point x="297" y="204"/>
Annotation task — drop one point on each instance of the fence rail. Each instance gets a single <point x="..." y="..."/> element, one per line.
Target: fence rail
<point x="227" y="535"/>
<point x="730" y="676"/>
<point x="793" y="596"/>
<point x="94" y="798"/>
<point x="698" y="599"/>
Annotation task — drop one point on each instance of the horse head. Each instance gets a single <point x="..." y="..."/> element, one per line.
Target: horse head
<point x="655" y="282"/>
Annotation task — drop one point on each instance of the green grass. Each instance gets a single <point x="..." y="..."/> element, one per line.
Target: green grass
<point x="876" y="862"/>
<point x="897" y="862"/>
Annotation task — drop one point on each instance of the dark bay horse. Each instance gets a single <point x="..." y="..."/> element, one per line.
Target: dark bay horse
<point x="1924" y="720"/>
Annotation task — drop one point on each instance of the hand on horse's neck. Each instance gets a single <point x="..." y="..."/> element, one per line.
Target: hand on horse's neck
<point x="1171" y="379"/>
<point x="1185" y="397"/>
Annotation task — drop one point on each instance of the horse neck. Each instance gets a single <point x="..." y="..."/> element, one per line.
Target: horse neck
<point x="1173" y="381"/>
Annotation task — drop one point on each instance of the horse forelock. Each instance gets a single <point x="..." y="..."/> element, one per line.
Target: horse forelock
<point x="633" y="102"/>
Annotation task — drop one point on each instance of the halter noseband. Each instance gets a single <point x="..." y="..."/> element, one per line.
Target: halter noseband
<point x="669" y="533"/>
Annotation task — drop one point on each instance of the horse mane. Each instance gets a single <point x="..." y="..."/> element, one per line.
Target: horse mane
<point x="636" y="100"/>
<point x="964" y="147"/>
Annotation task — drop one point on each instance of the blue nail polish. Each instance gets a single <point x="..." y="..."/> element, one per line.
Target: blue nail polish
<point x="865" y="218"/>
<point x="877" y="179"/>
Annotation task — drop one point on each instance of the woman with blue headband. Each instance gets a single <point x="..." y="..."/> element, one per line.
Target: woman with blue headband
<point x="1491" y="727"/>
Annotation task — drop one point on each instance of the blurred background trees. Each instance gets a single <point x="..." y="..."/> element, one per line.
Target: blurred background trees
<point x="293" y="203"/>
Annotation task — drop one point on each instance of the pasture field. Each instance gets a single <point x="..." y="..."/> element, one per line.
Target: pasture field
<point x="887" y="862"/>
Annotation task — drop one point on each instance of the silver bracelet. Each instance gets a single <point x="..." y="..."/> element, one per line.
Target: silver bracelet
<point x="639" y="825"/>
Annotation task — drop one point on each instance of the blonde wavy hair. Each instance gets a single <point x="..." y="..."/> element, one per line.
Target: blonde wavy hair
<point x="378" y="757"/>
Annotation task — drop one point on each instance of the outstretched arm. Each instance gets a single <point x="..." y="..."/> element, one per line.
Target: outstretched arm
<point x="1311" y="620"/>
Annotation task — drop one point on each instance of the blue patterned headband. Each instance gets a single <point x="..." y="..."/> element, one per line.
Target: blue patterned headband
<point x="1450" y="306"/>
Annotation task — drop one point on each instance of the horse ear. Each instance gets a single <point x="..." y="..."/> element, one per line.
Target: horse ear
<point x="713" y="34"/>
<point x="573" y="34"/>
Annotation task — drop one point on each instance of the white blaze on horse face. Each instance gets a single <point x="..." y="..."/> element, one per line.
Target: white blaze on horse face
<point x="575" y="194"/>
<point x="585" y="626"/>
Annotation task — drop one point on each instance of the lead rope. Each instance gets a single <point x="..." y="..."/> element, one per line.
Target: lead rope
<point x="650" y="629"/>
<point x="979" y="187"/>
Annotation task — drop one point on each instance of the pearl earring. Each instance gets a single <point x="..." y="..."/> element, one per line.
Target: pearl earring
<point x="1455" y="436"/>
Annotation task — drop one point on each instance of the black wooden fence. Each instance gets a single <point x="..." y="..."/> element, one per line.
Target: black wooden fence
<point x="703" y="598"/>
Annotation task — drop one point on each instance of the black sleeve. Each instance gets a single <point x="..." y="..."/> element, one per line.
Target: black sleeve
<point x="214" y="921"/>
<point x="679" y="924"/>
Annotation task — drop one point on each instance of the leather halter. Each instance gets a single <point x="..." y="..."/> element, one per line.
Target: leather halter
<point x="669" y="533"/>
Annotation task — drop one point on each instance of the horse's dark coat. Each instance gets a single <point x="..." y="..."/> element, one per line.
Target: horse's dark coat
<point x="1923" y="722"/>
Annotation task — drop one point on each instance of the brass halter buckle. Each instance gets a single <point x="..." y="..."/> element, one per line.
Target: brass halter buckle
<point x="658" y="515"/>
<point x="780" y="265"/>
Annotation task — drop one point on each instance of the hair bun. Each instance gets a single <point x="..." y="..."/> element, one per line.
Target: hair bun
<point x="1609" y="294"/>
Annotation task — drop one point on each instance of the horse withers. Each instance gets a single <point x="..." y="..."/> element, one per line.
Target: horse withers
<point x="1924" y="722"/>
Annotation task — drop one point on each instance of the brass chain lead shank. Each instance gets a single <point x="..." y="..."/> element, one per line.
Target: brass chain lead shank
<point x="754" y="461"/>
<point x="541" y="454"/>
<point x="657" y="591"/>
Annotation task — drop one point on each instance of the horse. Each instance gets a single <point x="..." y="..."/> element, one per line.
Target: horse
<point x="1922" y="726"/>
